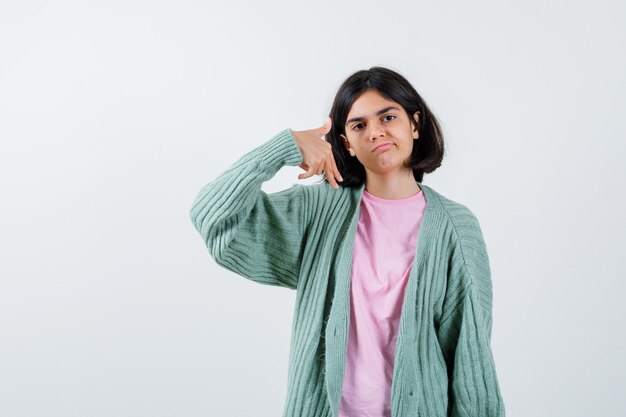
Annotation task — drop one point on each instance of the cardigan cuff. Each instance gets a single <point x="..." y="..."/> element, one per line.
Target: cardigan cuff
<point x="280" y="150"/>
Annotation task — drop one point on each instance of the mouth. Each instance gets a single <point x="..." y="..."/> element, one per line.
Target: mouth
<point x="382" y="146"/>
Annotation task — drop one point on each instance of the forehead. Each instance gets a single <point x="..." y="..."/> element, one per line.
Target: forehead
<point x="369" y="103"/>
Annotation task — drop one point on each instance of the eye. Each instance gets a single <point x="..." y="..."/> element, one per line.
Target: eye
<point x="358" y="124"/>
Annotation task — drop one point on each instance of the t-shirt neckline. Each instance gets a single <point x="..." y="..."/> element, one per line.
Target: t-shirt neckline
<point x="394" y="202"/>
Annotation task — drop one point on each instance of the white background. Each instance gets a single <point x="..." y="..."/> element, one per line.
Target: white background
<point x="114" y="114"/>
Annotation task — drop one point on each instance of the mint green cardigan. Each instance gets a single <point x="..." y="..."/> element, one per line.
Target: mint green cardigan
<point x="302" y="238"/>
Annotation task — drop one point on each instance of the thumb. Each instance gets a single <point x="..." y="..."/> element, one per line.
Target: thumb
<point x="326" y="126"/>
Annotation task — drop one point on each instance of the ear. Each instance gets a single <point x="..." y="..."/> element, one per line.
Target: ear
<point x="346" y="143"/>
<point x="416" y="133"/>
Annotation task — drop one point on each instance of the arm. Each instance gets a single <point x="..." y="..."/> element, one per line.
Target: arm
<point x="465" y="329"/>
<point x="257" y="235"/>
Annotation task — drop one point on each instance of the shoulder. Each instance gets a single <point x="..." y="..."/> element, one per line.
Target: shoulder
<point x="329" y="206"/>
<point x="462" y="217"/>
<point x="467" y="238"/>
<point x="323" y="192"/>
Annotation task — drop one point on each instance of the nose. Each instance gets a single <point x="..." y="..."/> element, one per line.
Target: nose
<point x="377" y="131"/>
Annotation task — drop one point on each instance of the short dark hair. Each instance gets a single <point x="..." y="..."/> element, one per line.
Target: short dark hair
<point x="428" y="150"/>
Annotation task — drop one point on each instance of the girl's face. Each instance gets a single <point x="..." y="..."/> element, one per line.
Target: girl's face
<point x="373" y="120"/>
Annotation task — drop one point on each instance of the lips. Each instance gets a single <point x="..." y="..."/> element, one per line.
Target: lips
<point x="382" y="144"/>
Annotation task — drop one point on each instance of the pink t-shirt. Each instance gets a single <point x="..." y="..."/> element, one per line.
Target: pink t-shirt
<point x="384" y="251"/>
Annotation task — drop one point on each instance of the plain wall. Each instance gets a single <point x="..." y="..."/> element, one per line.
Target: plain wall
<point x="114" y="114"/>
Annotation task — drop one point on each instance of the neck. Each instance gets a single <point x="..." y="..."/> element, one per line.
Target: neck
<point x="391" y="187"/>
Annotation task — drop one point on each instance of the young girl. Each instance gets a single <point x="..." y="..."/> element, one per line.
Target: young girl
<point x="394" y="295"/>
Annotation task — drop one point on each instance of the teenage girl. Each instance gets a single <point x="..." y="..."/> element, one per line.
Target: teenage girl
<point x="417" y="339"/>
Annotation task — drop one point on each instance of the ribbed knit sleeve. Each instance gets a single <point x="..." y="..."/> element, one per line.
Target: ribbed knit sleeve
<point x="257" y="235"/>
<point x="465" y="329"/>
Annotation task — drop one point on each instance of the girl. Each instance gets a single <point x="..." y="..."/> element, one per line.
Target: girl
<point x="394" y="294"/>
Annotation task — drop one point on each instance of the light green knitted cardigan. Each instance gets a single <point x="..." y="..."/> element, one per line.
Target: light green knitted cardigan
<point x="302" y="238"/>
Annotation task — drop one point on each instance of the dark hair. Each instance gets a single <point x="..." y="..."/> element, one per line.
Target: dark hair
<point x="428" y="151"/>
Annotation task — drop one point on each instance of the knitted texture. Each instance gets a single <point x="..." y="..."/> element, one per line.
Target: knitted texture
<point x="302" y="238"/>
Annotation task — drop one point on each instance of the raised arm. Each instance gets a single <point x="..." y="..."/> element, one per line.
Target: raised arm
<point x="257" y="235"/>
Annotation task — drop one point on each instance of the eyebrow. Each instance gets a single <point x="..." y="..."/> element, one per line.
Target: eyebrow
<point x="378" y="113"/>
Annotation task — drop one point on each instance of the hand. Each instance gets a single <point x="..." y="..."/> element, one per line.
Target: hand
<point x="317" y="154"/>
